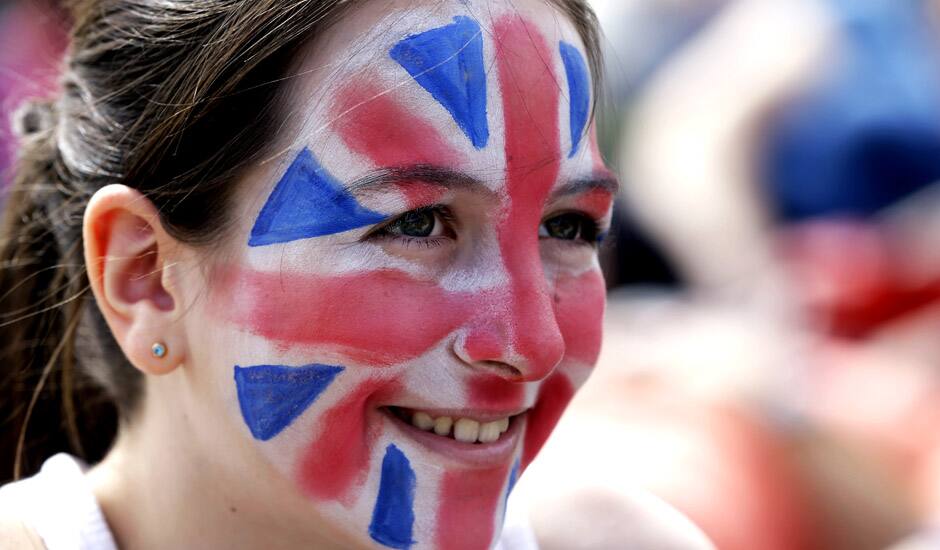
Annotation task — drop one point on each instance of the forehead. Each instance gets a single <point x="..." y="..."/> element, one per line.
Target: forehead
<point x="398" y="82"/>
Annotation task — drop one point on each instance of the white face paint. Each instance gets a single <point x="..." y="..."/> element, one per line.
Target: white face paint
<point x="415" y="294"/>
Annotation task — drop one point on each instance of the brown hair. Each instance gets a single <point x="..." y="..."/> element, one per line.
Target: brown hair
<point x="175" y="99"/>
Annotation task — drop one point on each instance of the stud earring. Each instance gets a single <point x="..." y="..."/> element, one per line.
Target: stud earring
<point x="158" y="349"/>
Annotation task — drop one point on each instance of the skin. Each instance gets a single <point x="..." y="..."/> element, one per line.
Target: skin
<point x="490" y="316"/>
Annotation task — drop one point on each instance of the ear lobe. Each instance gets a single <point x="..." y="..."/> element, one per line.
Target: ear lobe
<point x="127" y="253"/>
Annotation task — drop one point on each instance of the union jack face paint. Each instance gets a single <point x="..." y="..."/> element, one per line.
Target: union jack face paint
<point x="416" y="293"/>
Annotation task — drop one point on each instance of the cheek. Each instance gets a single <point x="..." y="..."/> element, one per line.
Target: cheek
<point x="554" y="395"/>
<point x="377" y="318"/>
<point x="469" y="501"/>
<point x="338" y="459"/>
<point x="579" y="311"/>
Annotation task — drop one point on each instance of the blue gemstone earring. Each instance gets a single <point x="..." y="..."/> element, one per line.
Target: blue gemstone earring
<point x="158" y="349"/>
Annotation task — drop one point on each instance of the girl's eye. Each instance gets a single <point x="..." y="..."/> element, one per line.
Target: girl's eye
<point x="428" y="222"/>
<point x="570" y="227"/>
<point x="417" y="223"/>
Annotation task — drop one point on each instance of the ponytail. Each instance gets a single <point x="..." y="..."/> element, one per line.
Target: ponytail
<point x="43" y="288"/>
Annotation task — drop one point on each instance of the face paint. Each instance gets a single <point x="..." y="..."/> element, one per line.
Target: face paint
<point x="303" y="189"/>
<point x="579" y="92"/>
<point x="599" y="166"/>
<point x="272" y="396"/>
<point x="513" y="478"/>
<point x="495" y="393"/>
<point x="393" y="517"/>
<point x="369" y="317"/>
<point x="579" y="310"/>
<point x="469" y="506"/>
<point x="487" y="321"/>
<point x="554" y="396"/>
<point x="340" y="456"/>
<point x="596" y="202"/>
<point x="532" y="166"/>
<point x="448" y="63"/>
<point x="370" y="122"/>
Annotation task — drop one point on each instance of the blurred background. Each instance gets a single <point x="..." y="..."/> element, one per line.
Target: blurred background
<point x="772" y="356"/>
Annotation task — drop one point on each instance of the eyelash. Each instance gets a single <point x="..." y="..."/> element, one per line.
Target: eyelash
<point x="445" y="216"/>
<point x="441" y="214"/>
<point x="590" y="232"/>
<point x="417" y="242"/>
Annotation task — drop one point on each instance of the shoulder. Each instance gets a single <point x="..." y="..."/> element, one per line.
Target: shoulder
<point x="592" y="516"/>
<point x="55" y="508"/>
<point x="15" y="505"/>
<point x="14" y="534"/>
<point x="579" y="495"/>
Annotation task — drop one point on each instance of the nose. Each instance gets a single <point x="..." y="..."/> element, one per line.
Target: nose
<point x="516" y="335"/>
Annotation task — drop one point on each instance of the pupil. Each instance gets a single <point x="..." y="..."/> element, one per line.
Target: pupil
<point x="418" y="223"/>
<point x="563" y="227"/>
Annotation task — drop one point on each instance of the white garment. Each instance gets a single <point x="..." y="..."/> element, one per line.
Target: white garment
<point x="59" y="506"/>
<point x="517" y="530"/>
<point x="925" y="540"/>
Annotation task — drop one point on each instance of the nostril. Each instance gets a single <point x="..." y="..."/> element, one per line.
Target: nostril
<point x="498" y="368"/>
<point x="503" y="369"/>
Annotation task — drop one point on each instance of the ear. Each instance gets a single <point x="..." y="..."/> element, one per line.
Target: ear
<point x="129" y="256"/>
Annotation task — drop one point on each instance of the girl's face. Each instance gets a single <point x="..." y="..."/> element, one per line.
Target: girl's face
<point x="413" y="293"/>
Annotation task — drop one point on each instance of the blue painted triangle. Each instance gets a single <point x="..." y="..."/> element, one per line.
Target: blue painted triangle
<point x="272" y="396"/>
<point x="579" y="92"/>
<point x="448" y="63"/>
<point x="393" y="516"/>
<point x="308" y="202"/>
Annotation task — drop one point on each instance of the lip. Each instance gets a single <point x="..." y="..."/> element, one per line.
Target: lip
<point x="476" y="454"/>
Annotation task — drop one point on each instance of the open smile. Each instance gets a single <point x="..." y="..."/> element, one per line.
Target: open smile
<point x="482" y="438"/>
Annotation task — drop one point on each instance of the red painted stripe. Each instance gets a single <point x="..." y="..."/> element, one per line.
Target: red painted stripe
<point x="337" y="460"/>
<point x="419" y="193"/>
<point x="554" y="396"/>
<point x="492" y="392"/>
<point x="373" y="123"/>
<point x="533" y="157"/>
<point x="385" y="317"/>
<point x="579" y="311"/>
<point x="468" y="504"/>
<point x="378" y="318"/>
<point x="596" y="202"/>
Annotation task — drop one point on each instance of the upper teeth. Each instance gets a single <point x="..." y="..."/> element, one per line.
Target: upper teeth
<point x="465" y="430"/>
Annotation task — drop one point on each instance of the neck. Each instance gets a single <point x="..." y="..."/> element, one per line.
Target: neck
<point x="164" y="485"/>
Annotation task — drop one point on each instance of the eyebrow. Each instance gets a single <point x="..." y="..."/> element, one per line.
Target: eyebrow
<point x="448" y="178"/>
<point x="583" y="185"/>
<point x="426" y="173"/>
